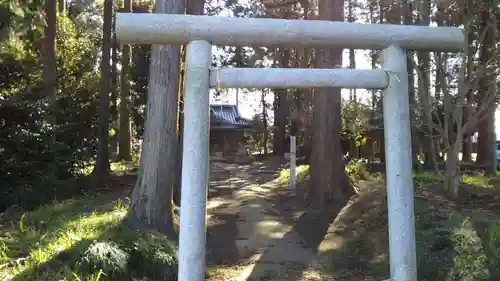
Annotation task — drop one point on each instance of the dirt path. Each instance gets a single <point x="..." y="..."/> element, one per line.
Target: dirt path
<point x="257" y="232"/>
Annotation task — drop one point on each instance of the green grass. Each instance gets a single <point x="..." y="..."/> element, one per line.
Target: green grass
<point x="118" y="167"/>
<point x="83" y="239"/>
<point x="301" y="173"/>
<point x="449" y="247"/>
<point x="357" y="170"/>
<point x="479" y="179"/>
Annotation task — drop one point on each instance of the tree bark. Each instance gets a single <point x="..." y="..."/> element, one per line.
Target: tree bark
<point x="193" y="7"/>
<point x="114" y="90"/>
<point x="264" y="119"/>
<point x="452" y="169"/>
<point x="408" y="20"/>
<point x="102" y="163"/>
<point x="281" y="108"/>
<point x="124" y="134"/>
<point x="151" y="206"/>
<point x="329" y="181"/>
<point x="62" y="6"/>
<point x="50" y="79"/>
<point x="486" y="136"/>
<point x="430" y="161"/>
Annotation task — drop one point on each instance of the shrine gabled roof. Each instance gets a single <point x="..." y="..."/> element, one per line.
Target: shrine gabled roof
<point x="227" y="116"/>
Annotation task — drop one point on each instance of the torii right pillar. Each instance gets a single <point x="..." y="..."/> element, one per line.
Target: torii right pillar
<point x="402" y="248"/>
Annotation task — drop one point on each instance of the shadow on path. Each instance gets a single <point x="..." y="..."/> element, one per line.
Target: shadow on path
<point x="295" y="252"/>
<point x="224" y="205"/>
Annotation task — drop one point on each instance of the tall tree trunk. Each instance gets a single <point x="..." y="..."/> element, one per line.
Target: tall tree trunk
<point x="373" y="60"/>
<point x="352" y="52"/>
<point x="468" y="110"/>
<point x="114" y="90"/>
<point x="430" y="161"/>
<point x="50" y="79"/>
<point x="452" y="170"/>
<point x="264" y="119"/>
<point x="102" y="162"/>
<point x="380" y="101"/>
<point x="124" y="134"/>
<point x="193" y="7"/>
<point x="180" y="130"/>
<point x="151" y="206"/>
<point x="329" y="179"/>
<point x="281" y="107"/>
<point x="486" y="128"/>
<point x="62" y="6"/>
<point x="408" y="20"/>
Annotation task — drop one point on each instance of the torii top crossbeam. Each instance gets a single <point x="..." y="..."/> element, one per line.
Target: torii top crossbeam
<point x="181" y="29"/>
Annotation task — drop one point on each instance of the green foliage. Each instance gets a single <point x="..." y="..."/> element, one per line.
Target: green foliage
<point x="83" y="239"/>
<point x="256" y="135"/>
<point x="357" y="169"/>
<point x="356" y="118"/>
<point x="479" y="179"/>
<point x="24" y="134"/>
<point x="153" y="256"/>
<point x="301" y="174"/>
<point x="492" y="243"/>
<point x="104" y="256"/>
<point x="449" y="248"/>
<point x="455" y="246"/>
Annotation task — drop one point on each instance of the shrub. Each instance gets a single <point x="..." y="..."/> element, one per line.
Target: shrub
<point x="358" y="169"/>
<point x="106" y="256"/>
<point x="301" y="172"/>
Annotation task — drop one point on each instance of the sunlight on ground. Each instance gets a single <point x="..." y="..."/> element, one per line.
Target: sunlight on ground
<point x="36" y="237"/>
<point x="80" y="240"/>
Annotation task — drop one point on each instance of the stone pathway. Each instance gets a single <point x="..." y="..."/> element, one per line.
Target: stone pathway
<point x="267" y="235"/>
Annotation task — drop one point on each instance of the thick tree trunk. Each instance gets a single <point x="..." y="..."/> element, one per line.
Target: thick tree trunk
<point x="151" y="206"/>
<point x="281" y="109"/>
<point x="279" y="145"/>
<point x="330" y="182"/>
<point x="114" y="91"/>
<point x="408" y="20"/>
<point x="50" y="79"/>
<point x="352" y="52"/>
<point x="102" y="162"/>
<point x="452" y="169"/>
<point x="486" y="127"/>
<point x="180" y="130"/>
<point x="468" y="110"/>
<point x="429" y="149"/>
<point x="193" y="7"/>
<point x="467" y="147"/>
<point x="62" y="6"/>
<point x="264" y="120"/>
<point x="124" y="141"/>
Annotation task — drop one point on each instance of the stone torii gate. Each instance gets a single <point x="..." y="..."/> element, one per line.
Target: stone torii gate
<point x="201" y="32"/>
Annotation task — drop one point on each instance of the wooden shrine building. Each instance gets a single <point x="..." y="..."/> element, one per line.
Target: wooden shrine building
<point x="227" y="130"/>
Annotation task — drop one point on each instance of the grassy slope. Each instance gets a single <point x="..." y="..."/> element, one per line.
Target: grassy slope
<point x="81" y="239"/>
<point x="76" y="239"/>
<point x="455" y="240"/>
